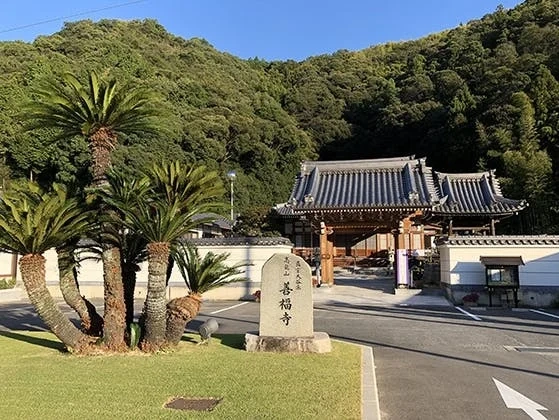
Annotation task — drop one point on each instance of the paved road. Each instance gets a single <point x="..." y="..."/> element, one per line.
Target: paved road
<point x="432" y="362"/>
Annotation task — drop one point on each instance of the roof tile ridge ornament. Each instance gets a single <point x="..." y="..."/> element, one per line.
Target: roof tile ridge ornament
<point x="303" y="168"/>
<point x="495" y="184"/>
<point x="433" y="186"/>
<point x="450" y="195"/>
<point x="313" y="181"/>
<point x="407" y="178"/>
<point x="488" y="191"/>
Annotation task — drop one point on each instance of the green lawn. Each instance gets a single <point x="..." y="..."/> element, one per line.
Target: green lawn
<point x="37" y="380"/>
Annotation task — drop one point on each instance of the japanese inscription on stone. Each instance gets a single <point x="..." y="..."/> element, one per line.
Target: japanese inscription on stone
<point x="286" y="300"/>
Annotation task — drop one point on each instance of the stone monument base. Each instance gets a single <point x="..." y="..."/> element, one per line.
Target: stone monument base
<point x="319" y="343"/>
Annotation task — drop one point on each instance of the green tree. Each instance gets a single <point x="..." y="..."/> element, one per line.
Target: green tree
<point x="161" y="214"/>
<point x="31" y="222"/>
<point x="99" y="111"/>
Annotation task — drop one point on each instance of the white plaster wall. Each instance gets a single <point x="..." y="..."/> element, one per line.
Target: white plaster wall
<point x="91" y="272"/>
<point x="5" y="264"/>
<point x="460" y="264"/>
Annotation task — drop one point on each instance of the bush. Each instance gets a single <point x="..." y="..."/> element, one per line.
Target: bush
<point x="7" y="283"/>
<point x="471" y="298"/>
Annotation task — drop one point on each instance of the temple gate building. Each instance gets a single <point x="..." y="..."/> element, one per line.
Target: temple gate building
<point x="358" y="209"/>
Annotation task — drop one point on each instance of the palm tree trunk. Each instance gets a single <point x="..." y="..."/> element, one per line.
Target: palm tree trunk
<point x="92" y="323"/>
<point x="180" y="311"/>
<point x="114" y="325"/>
<point x="129" y="280"/>
<point x="155" y="308"/>
<point x="100" y="144"/>
<point x="32" y="268"/>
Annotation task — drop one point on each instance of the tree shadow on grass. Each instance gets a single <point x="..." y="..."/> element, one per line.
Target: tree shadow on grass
<point x="43" y="342"/>
<point x="235" y="341"/>
<point x="188" y="339"/>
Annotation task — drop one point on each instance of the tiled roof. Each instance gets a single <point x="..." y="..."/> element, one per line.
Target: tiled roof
<point x="215" y="219"/>
<point x="242" y="240"/>
<point x="473" y="194"/>
<point x="394" y="183"/>
<point x="363" y="184"/>
<point x="501" y="240"/>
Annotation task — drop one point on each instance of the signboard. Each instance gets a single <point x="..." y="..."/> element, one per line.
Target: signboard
<point x="402" y="271"/>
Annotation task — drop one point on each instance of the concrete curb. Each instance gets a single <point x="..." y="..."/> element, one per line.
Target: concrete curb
<point x="370" y="408"/>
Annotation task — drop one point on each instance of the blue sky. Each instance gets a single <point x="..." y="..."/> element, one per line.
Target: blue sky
<point x="268" y="29"/>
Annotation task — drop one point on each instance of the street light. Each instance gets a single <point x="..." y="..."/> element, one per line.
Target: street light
<point x="232" y="175"/>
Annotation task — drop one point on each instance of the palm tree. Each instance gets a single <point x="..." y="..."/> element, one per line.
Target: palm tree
<point x="123" y="192"/>
<point x="99" y="111"/>
<point x="92" y="322"/>
<point x="31" y="222"/>
<point x="162" y="215"/>
<point x="200" y="275"/>
<point x="134" y="253"/>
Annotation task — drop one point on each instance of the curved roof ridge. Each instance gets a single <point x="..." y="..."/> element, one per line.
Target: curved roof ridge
<point x="358" y="165"/>
<point x="475" y="175"/>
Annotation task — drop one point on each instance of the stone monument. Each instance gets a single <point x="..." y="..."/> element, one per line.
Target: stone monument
<point x="286" y="309"/>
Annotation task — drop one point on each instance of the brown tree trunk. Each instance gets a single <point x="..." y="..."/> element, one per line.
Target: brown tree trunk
<point x="181" y="311"/>
<point x="101" y="142"/>
<point x="33" y="275"/>
<point x="129" y="280"/>
<point x="92" y="323"/>
<point x="114" y="317"/>
<point x="155" y="307"/>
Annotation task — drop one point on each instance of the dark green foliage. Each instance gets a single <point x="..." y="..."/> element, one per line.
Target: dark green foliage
<point x="33" y="220"/>
<point x="204" y="274"/>
<point x="158" y="206"/>
<point x="7" y="283"/>
<point x="135" y="333"/>
<point x="483" y="95"/>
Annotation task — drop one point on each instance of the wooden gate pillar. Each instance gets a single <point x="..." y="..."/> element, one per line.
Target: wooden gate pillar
<point x="326" y="255"/>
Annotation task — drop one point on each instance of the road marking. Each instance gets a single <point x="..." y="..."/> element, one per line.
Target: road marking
<point x="544" y="313"/>
<point x="226" y="309"/>
<point x="477" y="318"/>
<point x="514" y="399"/>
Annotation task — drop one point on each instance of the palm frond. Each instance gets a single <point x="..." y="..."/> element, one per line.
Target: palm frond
<point x="207" y="273"/>
<point x="76" y="108"/>
<point x="34" y="221"/>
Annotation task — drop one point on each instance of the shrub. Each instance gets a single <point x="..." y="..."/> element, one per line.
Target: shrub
<point x="471" y="298"/>
<point x="7" y="283"/>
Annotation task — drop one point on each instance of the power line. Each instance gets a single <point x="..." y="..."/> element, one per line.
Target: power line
<point x="114" y="6"/>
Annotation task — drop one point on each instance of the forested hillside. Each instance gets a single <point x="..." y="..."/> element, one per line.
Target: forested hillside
<point x="482" y="96"/>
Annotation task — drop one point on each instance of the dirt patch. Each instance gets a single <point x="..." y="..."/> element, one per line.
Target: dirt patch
<point x="196" y="404"/>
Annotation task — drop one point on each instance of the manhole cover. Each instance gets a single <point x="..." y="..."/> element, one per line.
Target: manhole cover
<point x="196" y="404"/>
